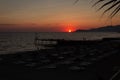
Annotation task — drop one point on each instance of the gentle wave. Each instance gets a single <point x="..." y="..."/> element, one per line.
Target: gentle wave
<point x="15" y="42"/>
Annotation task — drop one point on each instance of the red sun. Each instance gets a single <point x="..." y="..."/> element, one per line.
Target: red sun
<point x="69" y="30"/>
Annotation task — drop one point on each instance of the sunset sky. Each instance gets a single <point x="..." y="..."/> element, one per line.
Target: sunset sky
<point x="50" y="15"/>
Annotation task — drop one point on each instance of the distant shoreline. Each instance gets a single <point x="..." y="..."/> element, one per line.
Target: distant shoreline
<point x="102" y="29"/>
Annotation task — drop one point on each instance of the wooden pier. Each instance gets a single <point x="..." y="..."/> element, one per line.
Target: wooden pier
<point x="54" y="43"/>
<point x="58" y="43"/>
<point x="46" y="43"/>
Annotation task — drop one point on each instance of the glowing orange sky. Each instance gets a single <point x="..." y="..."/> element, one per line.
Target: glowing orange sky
<point x="50" y="15"/>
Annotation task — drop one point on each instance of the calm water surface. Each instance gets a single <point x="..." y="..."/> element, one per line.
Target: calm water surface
<point x="15" y="42"/>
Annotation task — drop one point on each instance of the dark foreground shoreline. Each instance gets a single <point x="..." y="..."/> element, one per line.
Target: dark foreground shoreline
<point x="99" y="61"/>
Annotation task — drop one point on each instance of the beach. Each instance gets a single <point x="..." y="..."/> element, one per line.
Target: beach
<point x="98" y="60"/>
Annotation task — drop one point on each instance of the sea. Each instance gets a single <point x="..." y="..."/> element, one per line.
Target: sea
<point x="12" y="42"/>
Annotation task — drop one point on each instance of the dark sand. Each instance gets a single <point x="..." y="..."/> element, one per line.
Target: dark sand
<point x="93" y="61"/>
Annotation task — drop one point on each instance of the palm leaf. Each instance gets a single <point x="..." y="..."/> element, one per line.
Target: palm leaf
<point x="113" y="5"/>
<point x="115" y="12"/>
<point x="105" y="4"/>
<point x="76" y="1"/>
<point x="110" y="7"/>
<point x="97" y="2"/>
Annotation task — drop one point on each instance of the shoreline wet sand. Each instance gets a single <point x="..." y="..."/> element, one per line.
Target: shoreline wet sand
<point x="94" y="61"/>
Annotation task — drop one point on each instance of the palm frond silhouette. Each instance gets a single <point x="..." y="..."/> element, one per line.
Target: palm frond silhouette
<point x="111" y="5"/>
<point x="114" y="5"/>
<point x="76" y="1"/>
